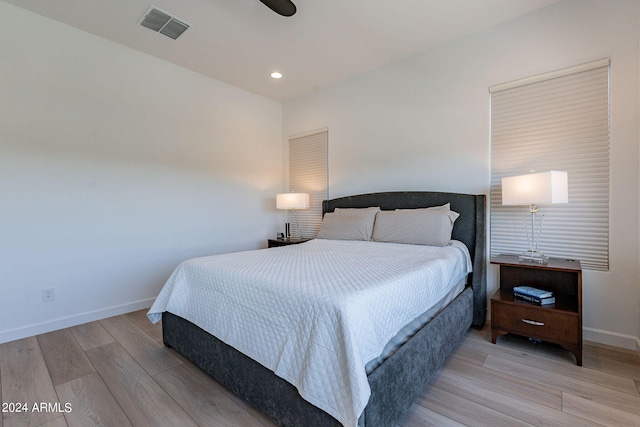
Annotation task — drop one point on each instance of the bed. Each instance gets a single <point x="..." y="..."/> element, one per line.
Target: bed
<point x="393" y="383"/>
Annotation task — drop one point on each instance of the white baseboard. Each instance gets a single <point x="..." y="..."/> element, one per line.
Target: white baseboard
<point x="74" y="320"/>
<point x="628" y="342"/>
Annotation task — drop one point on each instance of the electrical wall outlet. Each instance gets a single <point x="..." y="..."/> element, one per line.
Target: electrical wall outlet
<point x="48" y="294"/>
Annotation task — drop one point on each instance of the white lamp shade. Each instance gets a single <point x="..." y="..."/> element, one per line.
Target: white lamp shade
<point x="292" y="201"/>
<point x="536" y="188"/>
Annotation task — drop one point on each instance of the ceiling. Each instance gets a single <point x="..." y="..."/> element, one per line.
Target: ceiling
<point x="241" y="42"/>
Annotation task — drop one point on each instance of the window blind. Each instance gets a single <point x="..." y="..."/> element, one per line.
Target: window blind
<point x="555" y="121"/>
<point x="308" y="173"/>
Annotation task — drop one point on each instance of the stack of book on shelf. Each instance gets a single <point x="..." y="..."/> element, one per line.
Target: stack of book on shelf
<point x="533" y="295"/>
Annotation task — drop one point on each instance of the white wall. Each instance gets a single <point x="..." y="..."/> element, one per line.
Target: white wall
<point x="423" y="123"/>
<point x="114" y="167"/>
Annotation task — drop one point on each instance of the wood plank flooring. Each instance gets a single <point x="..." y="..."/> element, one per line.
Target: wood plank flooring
<point x="116" y="372"/>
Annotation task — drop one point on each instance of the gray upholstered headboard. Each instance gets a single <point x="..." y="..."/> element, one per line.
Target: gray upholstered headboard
<point x="469" y="228"/>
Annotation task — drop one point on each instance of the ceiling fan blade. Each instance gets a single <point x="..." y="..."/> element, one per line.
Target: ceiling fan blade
<point x="281" y="7"/>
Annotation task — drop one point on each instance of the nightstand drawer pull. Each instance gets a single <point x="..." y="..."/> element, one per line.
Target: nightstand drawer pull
<point x="533" y="322"/>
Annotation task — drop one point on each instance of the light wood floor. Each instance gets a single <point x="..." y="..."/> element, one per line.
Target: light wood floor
<point x="116" y="372"/>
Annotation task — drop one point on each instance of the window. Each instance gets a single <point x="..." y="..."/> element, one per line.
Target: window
<point x="308" y="160"/>
<point x="555" y="121"/>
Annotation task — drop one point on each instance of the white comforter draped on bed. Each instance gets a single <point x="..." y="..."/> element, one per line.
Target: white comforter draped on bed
<point x="317" y="312"/>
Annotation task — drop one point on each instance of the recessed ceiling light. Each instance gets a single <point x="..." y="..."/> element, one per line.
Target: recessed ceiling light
<point x="276" y="75"/>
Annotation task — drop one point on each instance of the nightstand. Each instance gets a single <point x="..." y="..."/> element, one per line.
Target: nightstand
<point x="559" y="323"/>
<point x="272" y="243"/>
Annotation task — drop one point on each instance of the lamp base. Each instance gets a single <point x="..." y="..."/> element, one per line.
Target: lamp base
<point x="533" y="255"/>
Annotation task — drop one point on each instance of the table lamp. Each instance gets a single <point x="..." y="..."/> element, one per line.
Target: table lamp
<point x="533" y="189"/>
<point x="292" y="202"/>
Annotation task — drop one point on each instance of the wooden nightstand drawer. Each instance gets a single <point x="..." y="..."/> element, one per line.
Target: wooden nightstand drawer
<point x="536" y="322"/>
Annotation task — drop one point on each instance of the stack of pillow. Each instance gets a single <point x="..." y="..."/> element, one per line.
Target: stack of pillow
<point x="429" y="226"/>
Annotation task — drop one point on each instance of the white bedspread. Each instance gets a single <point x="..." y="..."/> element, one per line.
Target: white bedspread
<point x="317" y="312"/>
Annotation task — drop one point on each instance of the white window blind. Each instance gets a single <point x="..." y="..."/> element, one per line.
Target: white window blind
<point x="308" y="173"/>
<point x="555" y="121"/>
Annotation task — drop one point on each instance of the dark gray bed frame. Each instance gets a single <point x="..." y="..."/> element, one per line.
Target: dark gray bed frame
<point x="397" y="382"/>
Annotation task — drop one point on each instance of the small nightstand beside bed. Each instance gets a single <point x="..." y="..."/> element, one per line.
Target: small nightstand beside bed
<point x="338" y="295"/>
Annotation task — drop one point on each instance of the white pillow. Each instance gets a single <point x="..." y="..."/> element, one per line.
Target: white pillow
<point x="415" y="226"/>
<point x="362" y="212"/>
<point x="446" y="207"/>
<point x="348" y="224"/>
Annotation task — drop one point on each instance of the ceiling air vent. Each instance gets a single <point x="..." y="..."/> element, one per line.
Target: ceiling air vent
<point x="163" y="23"/>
